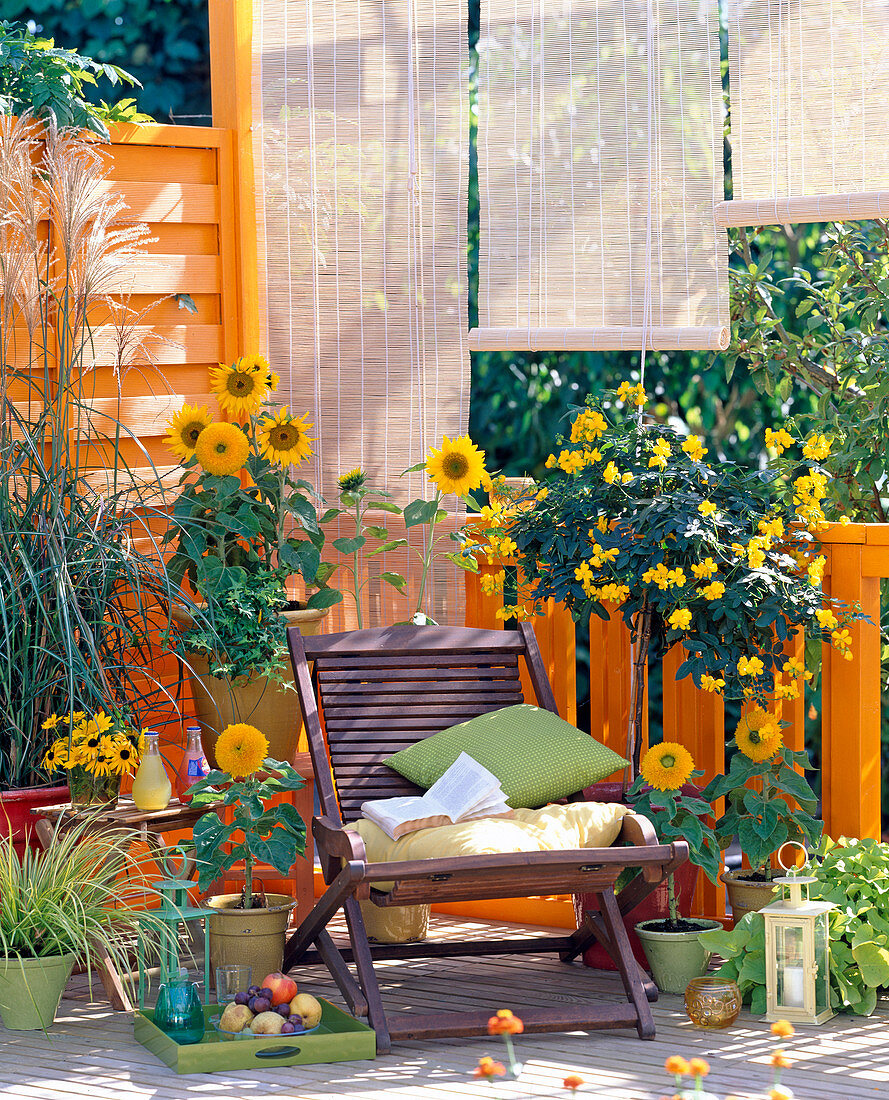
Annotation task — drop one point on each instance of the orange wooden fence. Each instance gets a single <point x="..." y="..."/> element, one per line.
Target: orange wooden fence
<point x="857" y="557"/>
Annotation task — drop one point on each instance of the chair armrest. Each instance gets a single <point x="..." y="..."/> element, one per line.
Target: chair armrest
<point x="336" y="843"/>
<point x="638" y="831"/>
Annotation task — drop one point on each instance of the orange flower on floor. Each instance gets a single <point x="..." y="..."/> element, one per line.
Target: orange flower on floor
<point x="487" y="1067"/>
<point x="573" y="1082"/>
<point x="780" y="1060"/>
<point x="697" y="1067"/>
<point x="783" y="1029"/>
<point x="504" y="1023"/>
<point x="677" y="1064"/>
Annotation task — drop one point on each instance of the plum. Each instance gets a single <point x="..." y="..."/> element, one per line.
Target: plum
<point x="253" y="991"/>
<point x="283" y="1010"/>
<point x="287" y="1028"/>
<point x="267" y="993"/>
<point x="260" y="1004"/>
<point x="242" y="998"/>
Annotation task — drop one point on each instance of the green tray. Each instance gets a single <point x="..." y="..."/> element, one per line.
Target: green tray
<point x="340" y="1038"/>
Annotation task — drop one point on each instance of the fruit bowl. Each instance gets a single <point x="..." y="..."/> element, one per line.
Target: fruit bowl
<point x="248" y="1034"/>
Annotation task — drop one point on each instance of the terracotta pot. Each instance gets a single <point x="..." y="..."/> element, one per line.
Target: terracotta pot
<point x="249" y="937"/>
<point x="745" y="896"/>
<point x="271" y="707"/>
<point x="16" y="819"/>
<point x="654" y="907"/>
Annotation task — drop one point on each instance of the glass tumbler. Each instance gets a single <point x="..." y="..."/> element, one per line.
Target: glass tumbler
<point x="231" y="980"/>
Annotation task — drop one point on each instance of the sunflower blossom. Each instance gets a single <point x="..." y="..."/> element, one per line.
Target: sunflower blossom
<point x="667" y="766"/>
<point x="185" y="427"/>
<point x="222" y="449"/>
<point x="758" y="735"/>
<point x="241" y="750"/>
<point x="240" y="388"/>
<point x="284" y="438"/>
<point x="457" y="467"/>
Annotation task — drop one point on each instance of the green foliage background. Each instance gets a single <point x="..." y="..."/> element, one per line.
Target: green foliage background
<point x="165" y="43"/>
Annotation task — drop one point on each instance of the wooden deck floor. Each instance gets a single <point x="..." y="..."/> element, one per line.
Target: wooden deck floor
<point x="91" y="1052"/>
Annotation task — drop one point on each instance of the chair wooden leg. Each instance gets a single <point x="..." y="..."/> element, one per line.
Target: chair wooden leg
<point x="593" y="931"/>
<point x="626" y="964"/>
<point x="327" y="905"/>
<point x="333" y="959"/>
<point x="367" y="976"/>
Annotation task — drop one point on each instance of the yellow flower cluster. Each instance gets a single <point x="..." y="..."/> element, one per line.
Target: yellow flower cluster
<point x="712" y="684"/>
<point x="707" y="508"/>
<point x="809" y="491"/>
<point x="785" y="691"/>
<point x="705" y="569"/>
<point x="817" y="448"/>
<point x="750" y="666"/>
<point x="816" y="570"/>
<point x="572" y="462"/>
<point x="663" y="577"/>
<point x="780" y="439"/>
<point x="680" y="619"/>
<point x="611" y="473"/>
<point x="694" y="448"/>
<point x="773" y="527"/>
<point x="602" y="524"/>
<point x="627" y="392"/>
<point x="501" y="546"/>
<point x="616" y="593"/>
<point x="599" y="555"/>
<point x="514" y="611"/>
<point x="492" y="582"/>
<point x="826" y="619"/>
<point x="588" y="426"/>
<point x="842" y="641"/>
<point x="714" y="591"/>
<point x="662" y="452"/>
<point x="756" y="551"/>
<point x="96" y="744"/>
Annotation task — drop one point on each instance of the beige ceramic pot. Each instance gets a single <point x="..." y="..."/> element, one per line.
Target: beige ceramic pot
<point x="271" y="707"/>
<point x="249" y="937"/>
<point x="745" y="896"/>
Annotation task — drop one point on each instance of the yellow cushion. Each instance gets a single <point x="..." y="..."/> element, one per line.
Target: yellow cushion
<point x="548" y="829"/>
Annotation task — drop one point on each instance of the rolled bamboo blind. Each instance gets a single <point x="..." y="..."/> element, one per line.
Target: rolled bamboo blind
<point x="600" y="164"/>
<point x="361" y="142"/>
<point x="810" y="129"/>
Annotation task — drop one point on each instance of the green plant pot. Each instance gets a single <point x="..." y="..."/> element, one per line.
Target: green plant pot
<point x="675" y="957"/>
<point x="30" y="990"/>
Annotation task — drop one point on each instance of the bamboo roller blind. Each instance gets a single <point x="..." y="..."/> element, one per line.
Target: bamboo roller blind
<point x="600" y="165"/>
<point x="361" y="142"/>
<point x="810" y="129"/>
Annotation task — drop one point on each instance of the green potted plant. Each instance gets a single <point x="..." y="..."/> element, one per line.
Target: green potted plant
<point x="80" y="604"/>
<point x="79" y="898"/>
<point x="768" y="803"/>
<point x="247" y="927"/>
<point x="720" y="559"/>
<point x="242" y="526"/>
<point x="663" y="794"/>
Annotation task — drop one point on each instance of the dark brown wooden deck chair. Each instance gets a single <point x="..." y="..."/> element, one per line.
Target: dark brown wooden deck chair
<point x="380" y="691"/>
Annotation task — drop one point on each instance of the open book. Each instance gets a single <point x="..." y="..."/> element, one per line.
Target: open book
<point x="466" y="790"/>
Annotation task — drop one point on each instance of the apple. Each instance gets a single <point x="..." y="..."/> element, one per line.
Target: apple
<point x="281" y="989"/>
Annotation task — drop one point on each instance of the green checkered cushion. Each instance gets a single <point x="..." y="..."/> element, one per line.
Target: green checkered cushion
<point x="537" y="757"/>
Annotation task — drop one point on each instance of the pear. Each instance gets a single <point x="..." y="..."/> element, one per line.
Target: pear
<point x="235" y="1017"/>
<point x="268" y="1023"/>
<point x="305" y="1005"/>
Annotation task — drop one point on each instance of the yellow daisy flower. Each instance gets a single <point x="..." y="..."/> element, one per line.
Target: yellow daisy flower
<point x="667" y="766"/>
<point x="222" y="449"/>
<point x="185" y="427"/>
<point x="241" y="750"/>
<point x="240" y="389"/>
<point x="122" y="756"/>
<point x="457" y="467"/>
<point x="51" y="722"/>
<point x="56" y="756"/>
<point x="284" y="439"/>
<point x="758" y="735"/>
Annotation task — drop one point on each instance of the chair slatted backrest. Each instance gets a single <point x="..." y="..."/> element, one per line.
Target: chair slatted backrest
<point x="384" y="690"/>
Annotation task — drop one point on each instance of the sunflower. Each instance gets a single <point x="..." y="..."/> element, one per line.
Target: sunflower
<point x="122" y="756"/>
<point x="352" y="480"/>
<point x="458" y="467"/>
<point x="758" y="735"/>
<point x="240" y="388"/>
<point x="284" y="439"/>
<point x="667" y="766"/>
<point x="56" y="755"/>
<point x="185" y="427"/>
<point x="222" y="449"/>
<point x="241" y="750"/>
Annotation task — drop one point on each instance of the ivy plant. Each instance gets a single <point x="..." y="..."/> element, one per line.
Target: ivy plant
<point x="49" y="81"/>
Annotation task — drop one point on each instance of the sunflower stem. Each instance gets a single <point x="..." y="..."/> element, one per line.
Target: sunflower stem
<point x="672" y="906"/>
<point x="427" y="556"/>
<point x="355" y="584"/>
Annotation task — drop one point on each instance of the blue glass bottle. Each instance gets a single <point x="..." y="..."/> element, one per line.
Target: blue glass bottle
<point x="178" y="1011"/>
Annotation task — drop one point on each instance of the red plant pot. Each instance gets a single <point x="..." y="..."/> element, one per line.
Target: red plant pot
<point x="654" y="907"/>
<point x="16" y="818"/>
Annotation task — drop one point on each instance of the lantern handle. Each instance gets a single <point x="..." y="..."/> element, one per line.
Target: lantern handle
<point x="793" y="869"/>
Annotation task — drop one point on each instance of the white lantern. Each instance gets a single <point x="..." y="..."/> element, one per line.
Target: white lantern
<point x="797" y="953"/>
